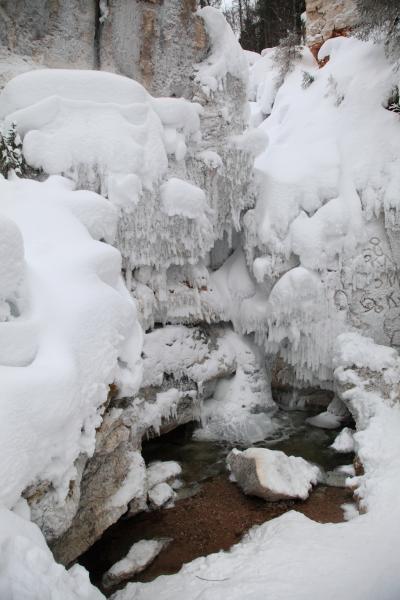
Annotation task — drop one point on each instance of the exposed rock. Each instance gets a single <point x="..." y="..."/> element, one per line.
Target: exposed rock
<point x="113" y="477"/>
<point x="138" y="558"/>
<point x="56" y="34"/>
<point x="328" y="18"/>
<point x="271" y="475"/>
<point x="155" y="43"/>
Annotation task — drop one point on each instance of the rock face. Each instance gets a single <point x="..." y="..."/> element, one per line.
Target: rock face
<point x="155" y="43"/>
<point x="328" y="18"/>
<point x="271" y="475"/>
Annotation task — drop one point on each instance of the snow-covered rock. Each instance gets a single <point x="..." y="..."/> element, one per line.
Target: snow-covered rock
<point x="160" y="495"/>
<point x="162" y="471"/>
<point x="271" y="474"/>
<point x="139" y="557"/>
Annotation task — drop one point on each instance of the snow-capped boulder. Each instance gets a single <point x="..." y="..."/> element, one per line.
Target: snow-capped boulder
<point x="138" y="558"/>
<point x="271" y="474"/>
<point x="160" y="495"/>
<point x="162" y="471"/>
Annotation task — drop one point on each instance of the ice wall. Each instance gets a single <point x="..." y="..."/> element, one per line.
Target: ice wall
<point x="321" y="241"/>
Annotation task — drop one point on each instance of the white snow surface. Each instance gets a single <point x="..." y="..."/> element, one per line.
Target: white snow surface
<point x="180" y="197"/>
<point x="326" y="197"/>
<point x="295" y="557"/>
<point x="72" y="332"/>
<point x="290" y="476"/>
<point x="161" y="471"/>
<point x="139" y="556"/>
<point x="226" y="56"/>
<point x="344" y="441"/>
<point x="92" y="125"/>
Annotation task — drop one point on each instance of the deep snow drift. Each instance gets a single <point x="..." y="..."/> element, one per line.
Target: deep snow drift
<point x="70" y="330"/>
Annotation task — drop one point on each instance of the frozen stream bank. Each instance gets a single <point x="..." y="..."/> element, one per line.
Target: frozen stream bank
<point x="211" y="513"/>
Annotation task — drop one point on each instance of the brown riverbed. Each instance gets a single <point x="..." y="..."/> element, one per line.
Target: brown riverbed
<point x="214" y="519"/>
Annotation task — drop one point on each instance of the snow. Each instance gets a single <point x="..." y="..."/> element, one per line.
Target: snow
<point x="138" y="558"/>
<point x="134" y="485"/>
<point x="344" y="442"/>
<point x="319" y="241"/>
<point x="161" y="494"/>
<point x="325" y="420"/>
<point x="72" y="320"/>
<point x="241" y="408"/>
<point x="180" y="197"/>
<point x="281" y="475"/>
<point x="295" y="557"/>
<point x="28" y="570"/>
<point x="59" y="118"/>
<point x="226" y="56"/>
<point x="161" y="471"/>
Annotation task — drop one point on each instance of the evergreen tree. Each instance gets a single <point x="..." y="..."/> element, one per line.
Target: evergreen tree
<point x="11" y="157"/>
<point x="381" y="21"/>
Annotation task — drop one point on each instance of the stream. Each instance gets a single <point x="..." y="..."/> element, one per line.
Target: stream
<point x="210" y="512"/>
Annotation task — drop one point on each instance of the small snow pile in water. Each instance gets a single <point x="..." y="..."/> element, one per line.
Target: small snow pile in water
<point x="68" y="329"/>
<point x="161" y="478"/>
<point x="344" y="442"/>
<point x="160" y="495"/>
<point x="138" y="558"/>
<point x="271" y="474"/>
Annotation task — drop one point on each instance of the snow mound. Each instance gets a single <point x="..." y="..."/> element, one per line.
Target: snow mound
<point x="67" y="338"/>
<point x="91" y="125"/>
<point x="180" y="197"/>
<point x="161" y="471"/>
<point x="344" y="442"/>
<point x="321" y="235"/>
<point x="226" y="57"/>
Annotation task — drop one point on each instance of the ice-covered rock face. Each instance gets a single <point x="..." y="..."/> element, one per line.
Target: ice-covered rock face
<point x="321" y="240"/>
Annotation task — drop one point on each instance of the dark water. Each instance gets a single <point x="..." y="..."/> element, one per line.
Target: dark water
<point x="201" y="459"/>
<point x="204" y="477"/>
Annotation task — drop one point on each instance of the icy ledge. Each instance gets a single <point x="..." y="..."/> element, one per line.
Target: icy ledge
<point x="294" y="557"/>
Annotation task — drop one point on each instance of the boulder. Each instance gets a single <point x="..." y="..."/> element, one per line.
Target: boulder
<point x="271" y="474"/>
